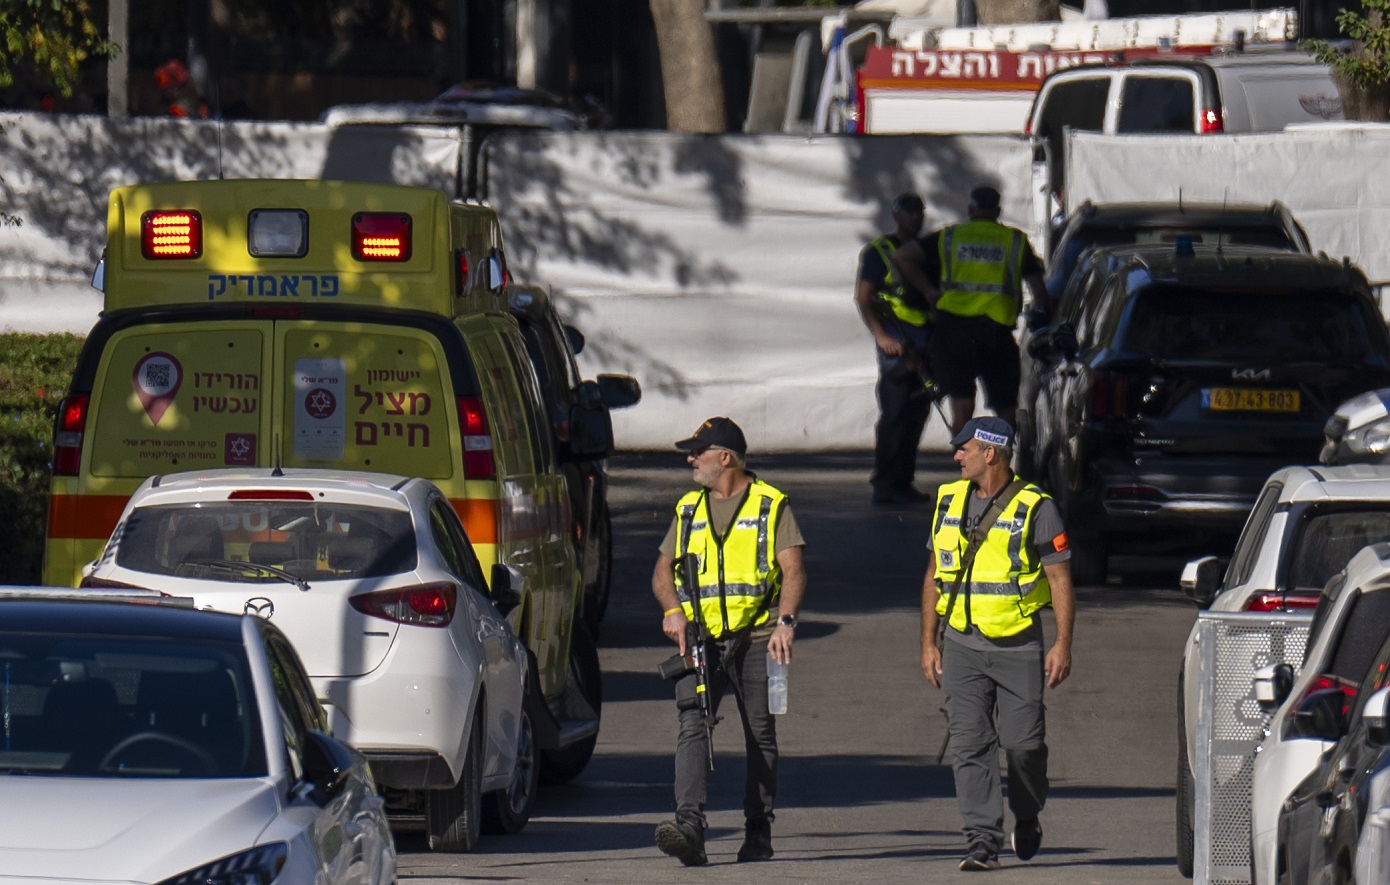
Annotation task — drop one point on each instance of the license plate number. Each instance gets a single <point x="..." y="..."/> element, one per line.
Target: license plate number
<point x="1249" y="399"/>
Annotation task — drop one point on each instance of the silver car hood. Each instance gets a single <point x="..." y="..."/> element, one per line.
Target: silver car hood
<point x="90" y="830"/>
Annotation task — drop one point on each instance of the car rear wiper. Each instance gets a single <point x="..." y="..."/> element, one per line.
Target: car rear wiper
<point x="229" y="565"/>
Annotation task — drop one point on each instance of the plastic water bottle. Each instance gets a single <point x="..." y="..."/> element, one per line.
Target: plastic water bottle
<point x="776" y="686"/>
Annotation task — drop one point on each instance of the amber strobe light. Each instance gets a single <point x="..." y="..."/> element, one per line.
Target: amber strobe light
<point x="176" y="233"/>
<point x="381" y="236"/>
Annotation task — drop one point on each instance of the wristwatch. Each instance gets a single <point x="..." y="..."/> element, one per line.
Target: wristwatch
<point x="787" y="621"/>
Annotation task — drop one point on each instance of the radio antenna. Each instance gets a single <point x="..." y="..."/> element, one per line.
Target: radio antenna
<point x="276" y="455"/>
<point x="217" y="111"/>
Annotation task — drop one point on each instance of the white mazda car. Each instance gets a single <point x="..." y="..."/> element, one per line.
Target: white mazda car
<point x="374" y="580"/>
<point x="153" y="744"/>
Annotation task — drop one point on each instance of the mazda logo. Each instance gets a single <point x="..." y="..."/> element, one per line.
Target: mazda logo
<point x="260" y="607"/>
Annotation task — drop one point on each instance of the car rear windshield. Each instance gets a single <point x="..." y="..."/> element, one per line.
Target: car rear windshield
<point x="1264" y="235"/>
<point x="127" y="707"/>
<point x="1287" y="326"/>
<point x="264" y="541"/>
<point x="1328" y="540"/>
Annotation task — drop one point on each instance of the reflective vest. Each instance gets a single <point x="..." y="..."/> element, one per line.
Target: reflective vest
<point x="738" y="575"/>
<point x="981" y="270"/>
<point x="893" y="293"/>
<point x="1005" y="584"/>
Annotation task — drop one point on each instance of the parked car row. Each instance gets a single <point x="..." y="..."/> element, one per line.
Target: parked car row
<point x="328" y="404"/>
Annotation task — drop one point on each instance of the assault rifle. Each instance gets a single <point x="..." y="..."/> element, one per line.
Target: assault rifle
<point x="694" y="660"/>
<point x="913" y="360"/>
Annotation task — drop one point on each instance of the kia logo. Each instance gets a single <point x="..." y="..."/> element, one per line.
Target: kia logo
<point x="1250" y="374"/>
<point x="260" y="607"/>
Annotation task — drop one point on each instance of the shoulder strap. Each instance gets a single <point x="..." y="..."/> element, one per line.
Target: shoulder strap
<point x="975" y="540"/>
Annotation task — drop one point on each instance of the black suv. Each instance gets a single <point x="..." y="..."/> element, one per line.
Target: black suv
<point x="552" y="346"/>
<point x="1130" y="224"/>
<point x="1175" y="378"/>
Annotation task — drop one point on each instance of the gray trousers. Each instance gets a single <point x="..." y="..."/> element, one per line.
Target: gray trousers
<point x="743" y="668"/>
<point x="993" y="700"/>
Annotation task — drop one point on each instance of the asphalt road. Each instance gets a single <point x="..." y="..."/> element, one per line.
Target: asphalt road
<point x="862" y="797"/>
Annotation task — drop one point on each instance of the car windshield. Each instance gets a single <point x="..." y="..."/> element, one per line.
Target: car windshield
<point x="1202" y="323"/>
<point x="266" y="541"/>
<point x="1130" y="235"/>
<point x="126" y="707"/>
<point x="1328" y="540"/>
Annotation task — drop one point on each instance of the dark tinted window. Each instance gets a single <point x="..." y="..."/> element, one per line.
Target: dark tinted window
<point x="1156" y="104"/>
<point x="1329" y="540"/>
<point x="1366" y="627"/>
<point x="308" y="540"/>
<point x="1074" y="104"/>
<point x="1179" y="322"/>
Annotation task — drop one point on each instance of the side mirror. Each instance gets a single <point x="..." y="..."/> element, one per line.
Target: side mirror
<point x="1273" y="682"/>
<point x="99" y="273"/>
<point x="327" y="766"/>
<point x="1201" y="579"/>
<point x="576" y="338"/>
<point x="591" y="432"/>
<point x="619" y="391"/>
<point x="506" y="588"/>
<point x="89" y="568"/>
<point x="1321" y="715"/>
<point x="496" y="272"/>
<point x="1377" y="718"/>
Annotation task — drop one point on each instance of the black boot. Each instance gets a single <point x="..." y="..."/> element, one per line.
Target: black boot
<point x="683" y="839"/>
<point x="757" y="841"/>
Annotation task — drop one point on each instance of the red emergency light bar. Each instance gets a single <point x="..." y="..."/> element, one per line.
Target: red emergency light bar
<point x="171" y="234"/>
<point x="381" y="236"/>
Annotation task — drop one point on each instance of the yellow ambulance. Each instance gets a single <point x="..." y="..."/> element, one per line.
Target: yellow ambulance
<point x="329" y="324"/>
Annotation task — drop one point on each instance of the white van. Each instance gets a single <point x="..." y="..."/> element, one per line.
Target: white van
<point x="1255" y="91"/>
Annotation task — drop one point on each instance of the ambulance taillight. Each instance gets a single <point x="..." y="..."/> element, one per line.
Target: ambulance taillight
<point x="381" y="236"/>
<point x="477" y="442"/>
<point x="175" y="234"/>
<point x="67" y="436"/>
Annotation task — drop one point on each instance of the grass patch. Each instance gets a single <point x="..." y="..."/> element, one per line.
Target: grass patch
<point x="35" y="371"/>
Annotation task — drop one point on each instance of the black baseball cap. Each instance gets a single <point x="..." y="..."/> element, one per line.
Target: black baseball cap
<point x="985" y="198"/>
<point x="989" y="430"/>
<point x="721" y="432"/>
<point x="908" y="202"/>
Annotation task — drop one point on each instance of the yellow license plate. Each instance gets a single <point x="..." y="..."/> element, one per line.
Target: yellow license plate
<point x="1248" y="399"/>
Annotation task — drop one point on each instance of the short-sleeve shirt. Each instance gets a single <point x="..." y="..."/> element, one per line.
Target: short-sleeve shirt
<point x="1048" y="536"/>
<point x="722" y="512"/>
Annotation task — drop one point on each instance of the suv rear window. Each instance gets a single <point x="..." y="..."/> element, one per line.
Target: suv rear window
<point x="1156" y="104"/>
<point x="1181" y="322"/>
<point x="1328" y="540"/>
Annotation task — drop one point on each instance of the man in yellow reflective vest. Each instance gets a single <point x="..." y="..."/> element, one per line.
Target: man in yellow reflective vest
<point x="999" y="556"/>
<point x="744" y="552"/>
<point x="974" y="277"/>
<point x="898" y="317"/>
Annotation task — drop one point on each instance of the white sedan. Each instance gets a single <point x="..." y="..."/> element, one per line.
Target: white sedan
<point x="374" y="580"/>
<point x="152" y="743"/>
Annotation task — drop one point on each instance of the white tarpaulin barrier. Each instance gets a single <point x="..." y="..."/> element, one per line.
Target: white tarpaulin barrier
<point x="1334" y="178"/>
<point x="719" y="270"/>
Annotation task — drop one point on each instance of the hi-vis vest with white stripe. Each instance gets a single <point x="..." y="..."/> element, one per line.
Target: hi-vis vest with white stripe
<point x="738" y="577"/>
<point x="1006" y="584"/>
<point x="981" y="270"/>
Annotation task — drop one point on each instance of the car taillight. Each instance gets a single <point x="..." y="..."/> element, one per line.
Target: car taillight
<point x="429" y="605"/>
<point x="1211" y="121"/>
<point x="477" y="442"/>
<point x="381" y="236"/>
<point x="1279" y="602"/>
<point x="67" y="435"/>
<point x="1109" y="395"/>
<point x="176" y="234"/>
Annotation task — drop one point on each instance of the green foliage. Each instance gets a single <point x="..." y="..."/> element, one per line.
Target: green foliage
<point x="1368" y="63"/>
<point x="35" y="377"/>
<point x="51" y="37"/>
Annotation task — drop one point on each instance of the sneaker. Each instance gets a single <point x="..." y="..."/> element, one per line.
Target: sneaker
<point x="1027" y="838"/>
<point x="980" y="857"/>
<point x="757" y="842"/>
<point x="682" y="839"/>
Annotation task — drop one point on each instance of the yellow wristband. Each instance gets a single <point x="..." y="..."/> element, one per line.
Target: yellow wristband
<point x="670" y="611"/>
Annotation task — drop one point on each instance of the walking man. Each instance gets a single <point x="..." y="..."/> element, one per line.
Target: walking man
<point x="974" y="277"/>
<point x="741" y="543"/>
<point x="899" y="318"/>
<point x="999" y="556"/>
